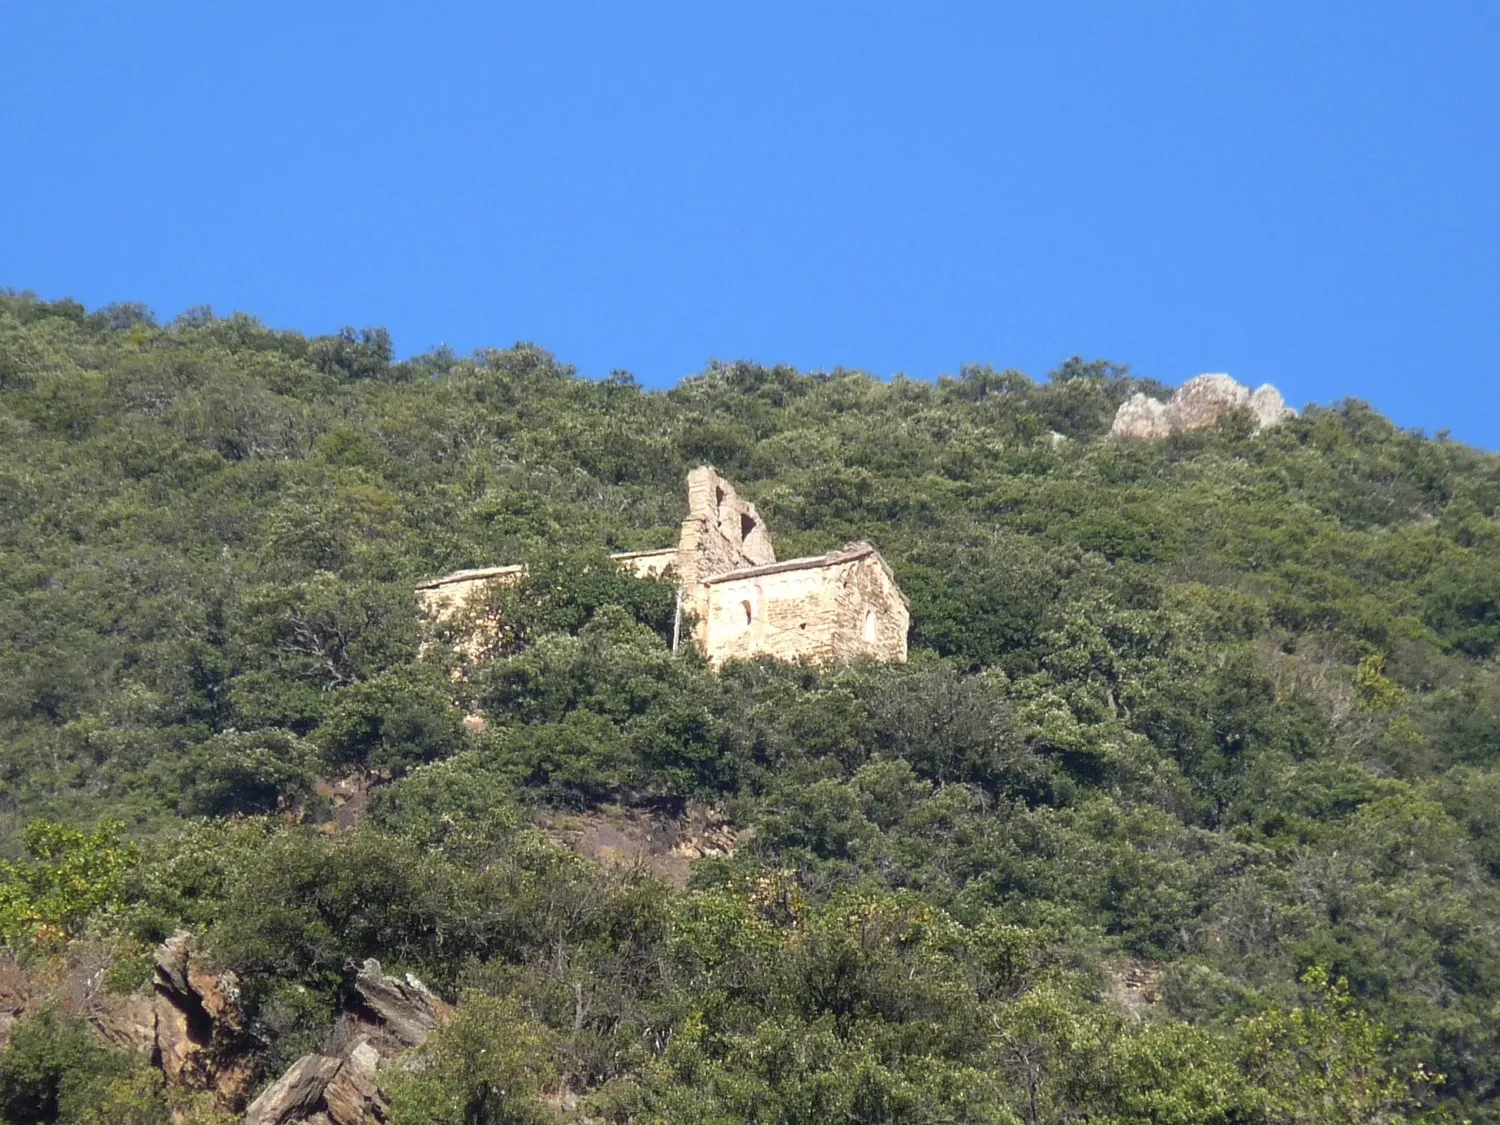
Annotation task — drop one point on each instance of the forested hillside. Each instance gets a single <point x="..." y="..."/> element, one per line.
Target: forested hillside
<point x="1186" y="808"/>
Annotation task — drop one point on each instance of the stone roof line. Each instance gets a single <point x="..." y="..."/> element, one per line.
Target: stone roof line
<point x="853" y="552"/>
<point x="475" y="574"/>
<point x="622" y="556"/>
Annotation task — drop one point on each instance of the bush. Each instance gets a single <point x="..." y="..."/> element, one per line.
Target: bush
<point x="51" y="1069"/>
<point x="257" y="772"/>
<point x="394" y="721"/>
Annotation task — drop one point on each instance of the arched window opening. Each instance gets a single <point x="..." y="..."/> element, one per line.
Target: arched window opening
<point x="869" y="627"/>
<point x="748" y="612"/>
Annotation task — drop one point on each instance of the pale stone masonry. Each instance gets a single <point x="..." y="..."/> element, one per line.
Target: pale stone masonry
<point x="443" y="597"/>
<point x="743" y="603"/>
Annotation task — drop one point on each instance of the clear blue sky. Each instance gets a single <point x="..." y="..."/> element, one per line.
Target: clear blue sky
<point x="1301" y="193"/>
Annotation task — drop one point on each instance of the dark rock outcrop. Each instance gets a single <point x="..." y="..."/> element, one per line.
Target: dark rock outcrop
<point x="297" y="1094"/>
<point x="344" y="1088"/>
<point x="201" y="1040"/>
<point x="325" y="1090"/>
<point x="407" y="1010"/>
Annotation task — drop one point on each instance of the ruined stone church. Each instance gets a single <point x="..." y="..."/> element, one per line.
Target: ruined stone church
<point x="739" y="600"/>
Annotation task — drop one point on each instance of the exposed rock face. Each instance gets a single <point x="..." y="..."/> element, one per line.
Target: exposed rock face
<point x="665" y="845"/>
<point x="1198" y="403"/>
<point x="1203" y="401"/>
<point x="1134" y="986"/>
<point x="1269" y="407"/>
<point x="195" y="1032"/>
<point x="1141" y="418"/>
<point x="353" y="1096"/>
<point x="128" y="1023"/>
<point x="407" y="1009"/>
<point x="296" y="1094"/>
<point x="201" y="1039"/>
<point x="344" y="1089"/>
<point x="324" y="1090"/>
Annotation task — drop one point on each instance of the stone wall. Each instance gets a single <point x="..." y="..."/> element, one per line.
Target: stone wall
<point x="874" y="613"/>
<point x="839" y="606"/>
<point x="647" y="564"/>
<point x="743" y="603"/>
<point x="441" y="598"/>
<point x="721" y="533"/>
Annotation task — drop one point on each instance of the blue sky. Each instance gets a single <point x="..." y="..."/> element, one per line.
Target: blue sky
<point x="1299" y="193"/>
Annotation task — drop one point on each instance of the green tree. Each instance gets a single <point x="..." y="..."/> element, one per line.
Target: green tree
<point x="397" y="719"/>
<point x="1325" y="1062"/>
<point x="52" y="1070"/>
<point x="70" y="875"/>
<point x="488" y="1066"/>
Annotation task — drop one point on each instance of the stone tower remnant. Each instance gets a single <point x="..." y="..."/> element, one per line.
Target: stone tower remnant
<point x="741" y="601"/>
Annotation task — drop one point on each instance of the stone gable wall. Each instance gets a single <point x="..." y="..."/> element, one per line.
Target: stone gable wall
<point x="873" y="614"/>
<point x="817" y="612"/>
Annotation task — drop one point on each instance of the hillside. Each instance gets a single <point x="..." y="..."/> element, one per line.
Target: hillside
<point x="1185" y="809"/>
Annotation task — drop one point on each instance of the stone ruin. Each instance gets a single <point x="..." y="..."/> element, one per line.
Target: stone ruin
<point x="1198" y="403"/>
<point x="740" y="600"/>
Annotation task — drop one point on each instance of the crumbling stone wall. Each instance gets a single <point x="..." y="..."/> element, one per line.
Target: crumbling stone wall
<point x="743" y="603"/>
<point x="721" y="533"/>
<point x="443" y="597"/>
<point x="834" y="607"/>
<point x="647" y="564"/>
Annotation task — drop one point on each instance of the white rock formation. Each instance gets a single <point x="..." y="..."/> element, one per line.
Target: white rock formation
<point x="1199" y="402"/>
<point x="1269" y="407"/>
<point x="1202" y="401"/>
<point x="1140" y="418"/>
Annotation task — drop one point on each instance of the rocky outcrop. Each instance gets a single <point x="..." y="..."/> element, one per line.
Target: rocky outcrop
<point x="406" y="1008"/>
<point x="297" y="1094"/>
<point x="1198" y="403"/>
<point x="201" y="1040"/>
<point x="344" y="1088"/>
<point x="1203" y="401"/>
<point x="1141" y="418"/>
<point x="1269" y="407"/>
<point x="324" y="1090"/>
<point x="664" y="844"/>
<point x="353" y="1095"/>
<point x="194" y="1030"/>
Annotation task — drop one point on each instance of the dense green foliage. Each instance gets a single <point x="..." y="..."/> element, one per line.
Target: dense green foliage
<point x="1222" y="710"/>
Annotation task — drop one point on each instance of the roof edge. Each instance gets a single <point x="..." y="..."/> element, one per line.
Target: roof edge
<point x="852" y="553"/>
<point x="477" y="574"/>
